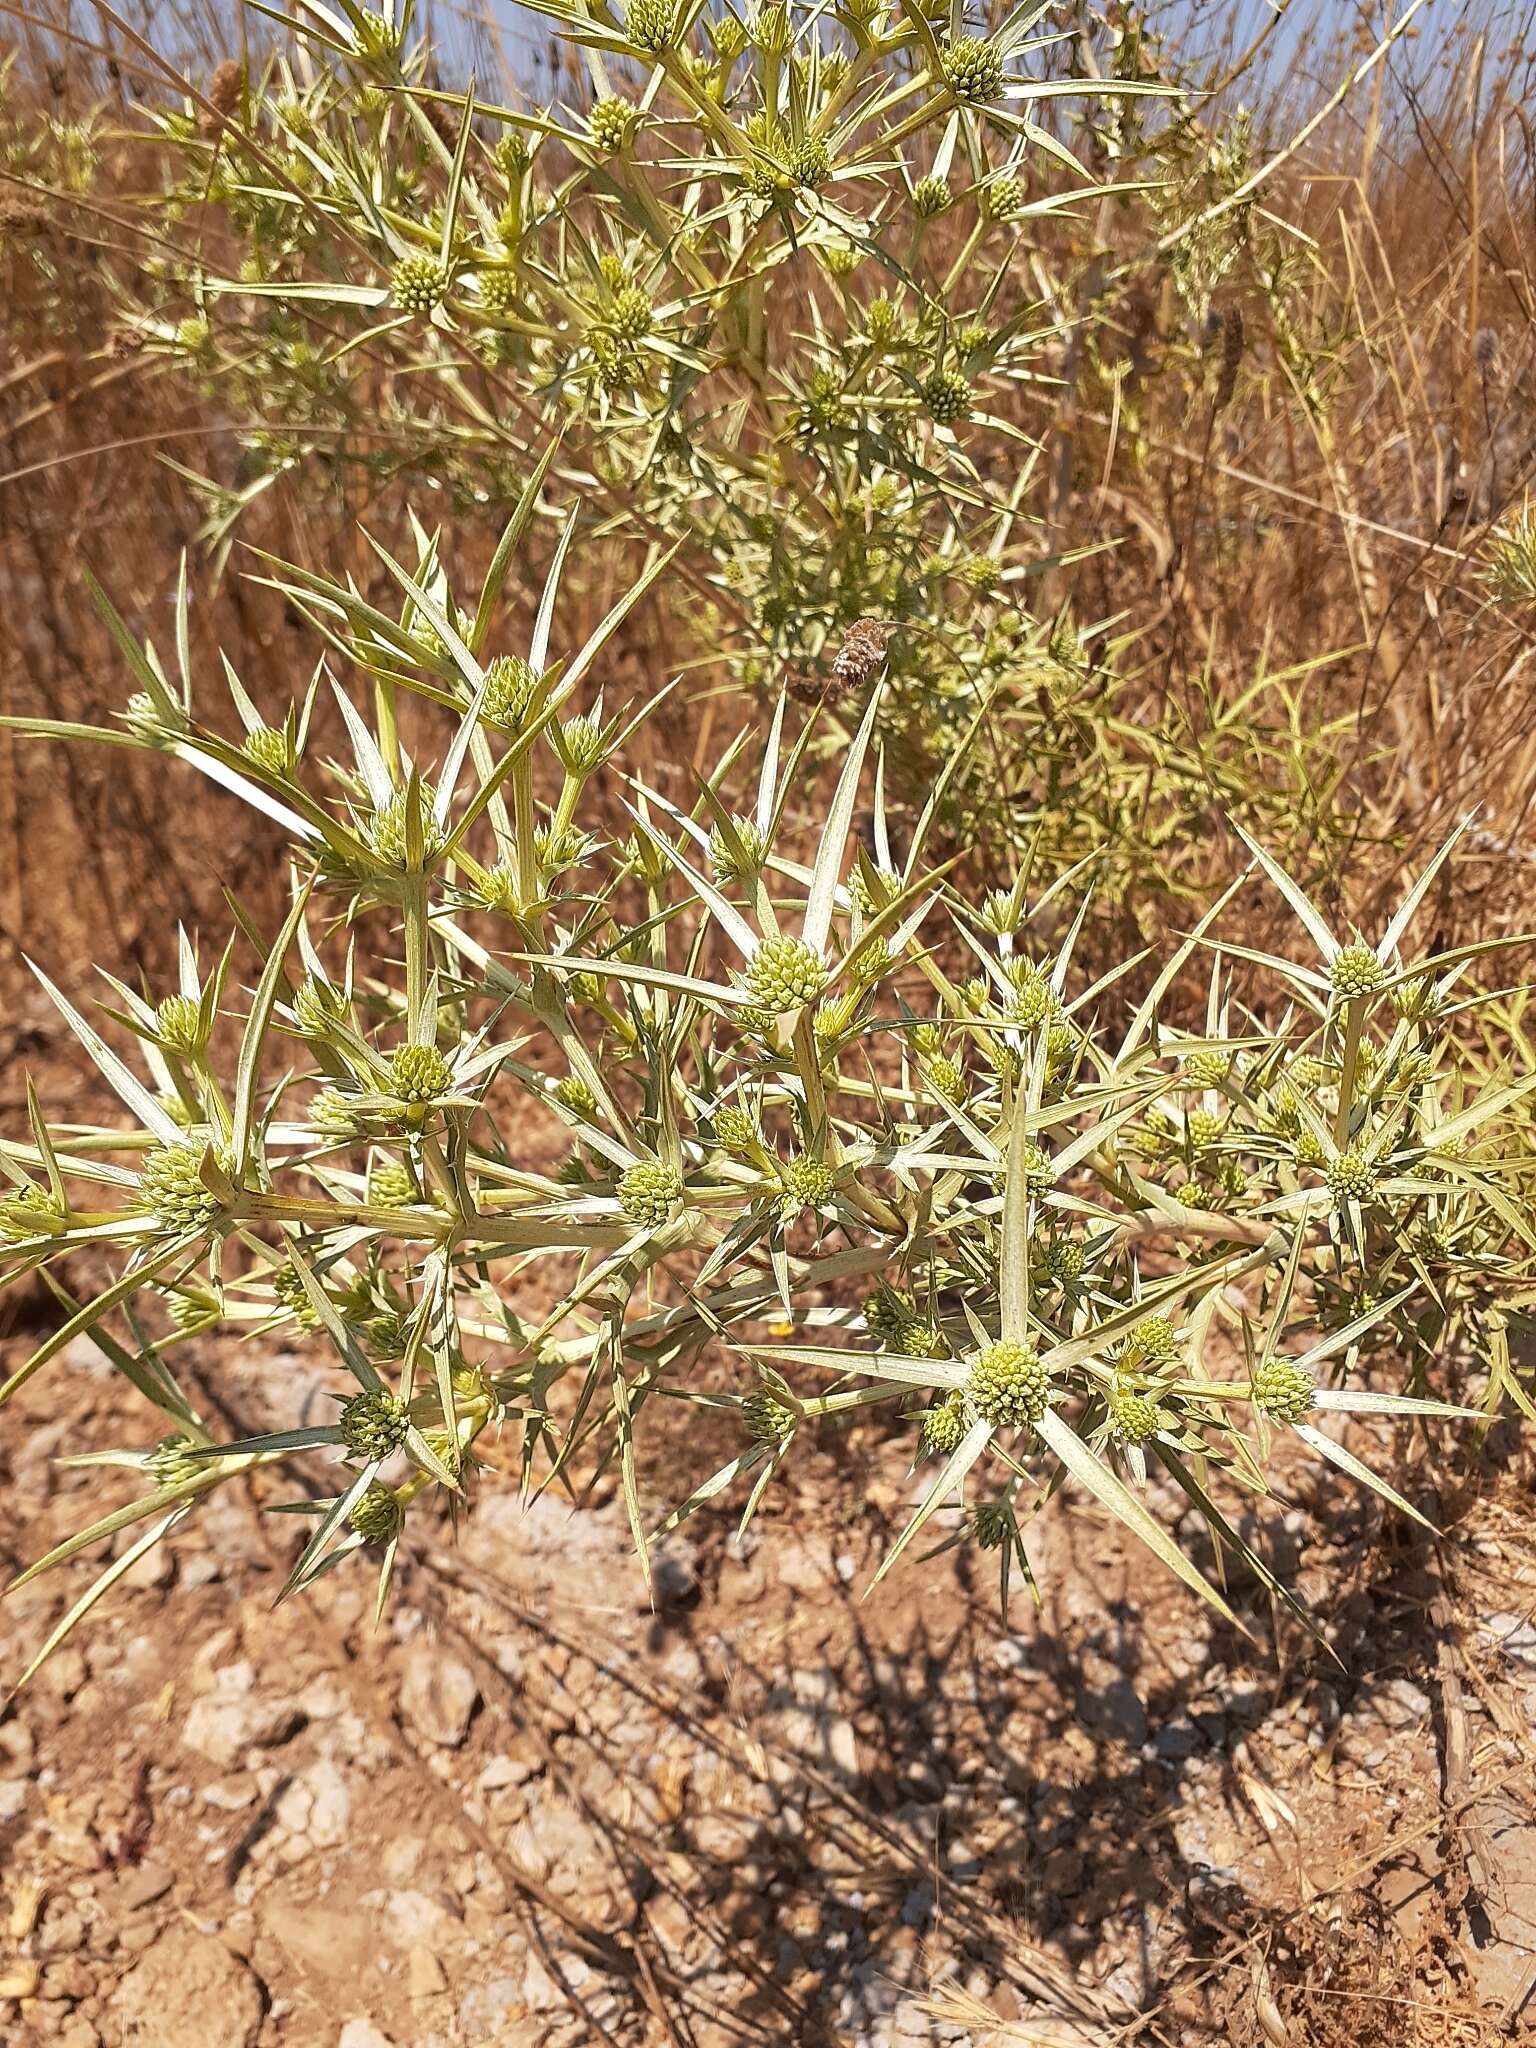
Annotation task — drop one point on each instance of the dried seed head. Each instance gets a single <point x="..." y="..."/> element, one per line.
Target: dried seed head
<point x="226" y="88"/>
<point x="1231" y="358"/>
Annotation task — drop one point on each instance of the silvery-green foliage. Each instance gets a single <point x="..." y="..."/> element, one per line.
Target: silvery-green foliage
<point x="784" y="1123"/>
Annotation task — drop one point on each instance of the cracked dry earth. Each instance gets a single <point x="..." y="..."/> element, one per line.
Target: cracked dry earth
<point x="529" y="1809"/>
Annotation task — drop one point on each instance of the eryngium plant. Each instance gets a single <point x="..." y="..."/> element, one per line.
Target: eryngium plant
<point x="790" y="1140"/>
<point x="772" y="277"/>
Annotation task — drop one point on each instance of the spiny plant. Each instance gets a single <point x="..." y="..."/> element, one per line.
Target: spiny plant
<point x="775" y="305"/>
<point x="788" y="1141"/>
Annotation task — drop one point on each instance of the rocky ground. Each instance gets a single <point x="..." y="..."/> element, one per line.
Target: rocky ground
<point x="529" y="1809"/>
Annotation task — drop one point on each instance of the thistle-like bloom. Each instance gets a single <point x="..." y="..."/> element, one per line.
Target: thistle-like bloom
<point x="419" y="1073"/>
<point x="268" y="747"/>
<point x="785" y="974"/>
<point x="386" y="832"/>
<point x="973" y="70"/>
<point x="1135" y="1417"/>
<point x="510" y="686"/>
<point x="1009" y="1386"/>
<point x="1351" y="1178"/>
<point x="373" y="1424"/>
<point x="649" y="1192"/>
<point x="378" y="1515"/>
<point x="419" y="285"/>
<point x="765" y="1418"/>
<point x="610" y="124"/>
<point x="947" y="396"/>
<point x="1282" y="1389"/>
<point x="651" y="25"/>
<point x="1356" y="972"/>
<point x="179" y="1021"/>
<point x="170" y="1181"/>
<point x="931" y="197"/>
<point x="944" y="1425"/>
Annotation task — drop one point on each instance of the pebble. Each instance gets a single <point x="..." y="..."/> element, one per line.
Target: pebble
<point x="438" y="1695"/>
<point x="228" y="1723"/>
<point x="424" y="1973"/>
<point x="141" y="1887"/>
<point x="363" y="2034"/>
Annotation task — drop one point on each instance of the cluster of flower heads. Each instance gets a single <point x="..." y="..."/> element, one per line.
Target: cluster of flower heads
<point x="794" y="1140"/>
<point x="608" y="267"/>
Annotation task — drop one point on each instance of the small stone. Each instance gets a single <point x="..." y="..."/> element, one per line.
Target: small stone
<point x="143" y="1886"/>
<point x="414" y="1917"/>
<point x="230" y="1795"/>
<point x="424" y="1973"/>
<point x="540" y="1991"/>
<point x="487" y="2012"/>
<point x="503" y="1772"/>
<point x="61" y="1934"/>
<point x="228" y="1723"/>
<point x="363" y="2034"/>
<point x="438" y="1695"/>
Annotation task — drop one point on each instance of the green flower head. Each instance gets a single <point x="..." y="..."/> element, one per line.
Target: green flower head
<point x="373" y="1424"/>
<point x="649" y="1192"/>
<point x="1009" y="1387"/>
<point x="973" y="70"/>
<point x="419" y="285"/>
<point x="785" y="974"/>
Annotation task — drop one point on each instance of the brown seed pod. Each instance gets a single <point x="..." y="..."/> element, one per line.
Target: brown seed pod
<point x="1231" y="356"/>
<point x="446" y="120"/>
<point x="863" y="650"/>
<point x="226" y="88"/>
